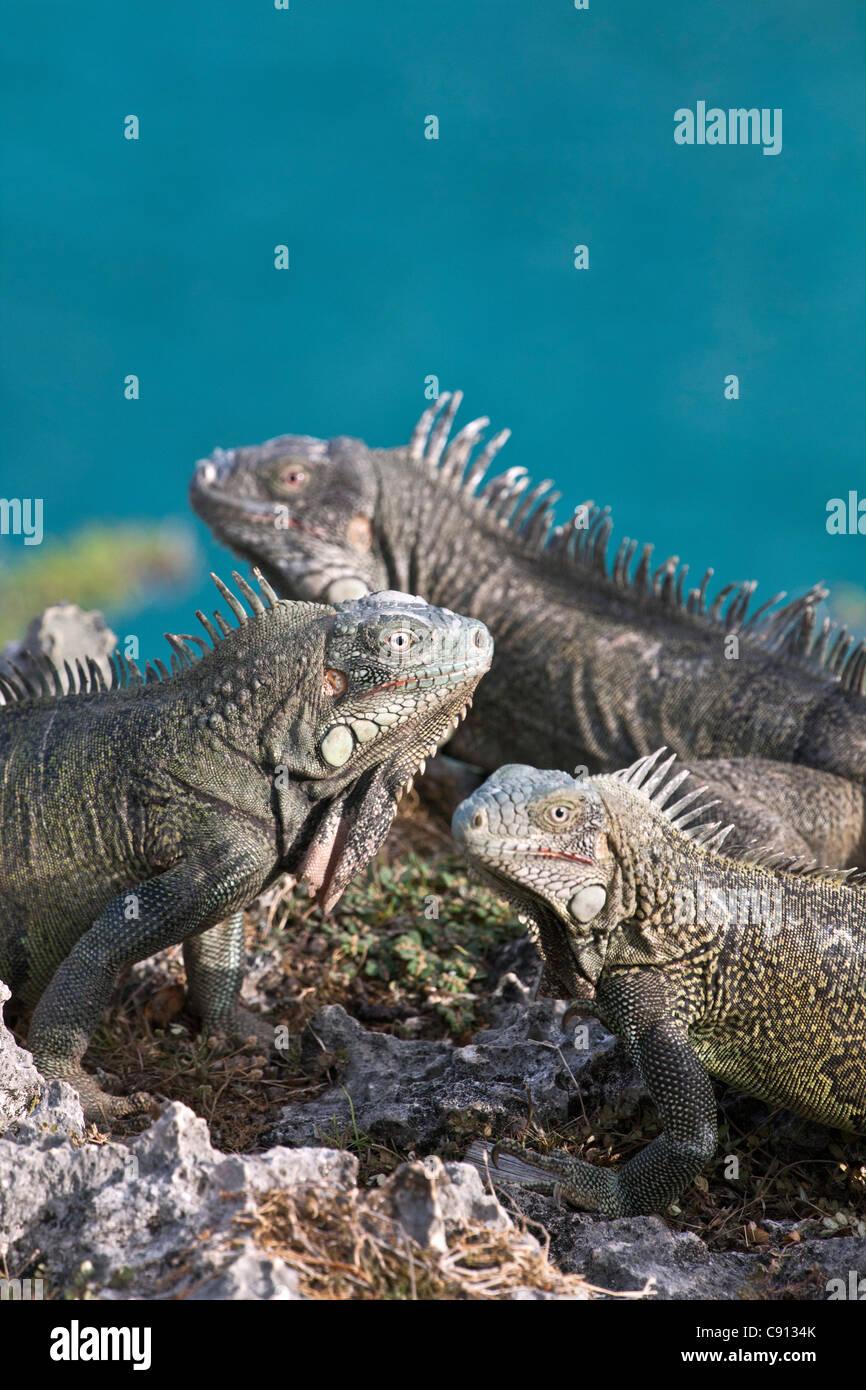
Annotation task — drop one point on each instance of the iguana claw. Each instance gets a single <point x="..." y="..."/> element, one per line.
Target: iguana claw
<point x="104" y="1110"/>
<point x="526" y="1168"/>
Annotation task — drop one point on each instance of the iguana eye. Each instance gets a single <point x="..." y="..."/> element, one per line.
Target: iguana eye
<point x="294" y="477"/>
<point x="400" y="641"/>
<point x="560" y="814"/>
<point x="336" y="682"/>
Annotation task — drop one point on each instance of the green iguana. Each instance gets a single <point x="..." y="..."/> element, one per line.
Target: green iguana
<point x="596" y="664"/>
<point x="748" y="969"/>
<point x="146" y="814"/>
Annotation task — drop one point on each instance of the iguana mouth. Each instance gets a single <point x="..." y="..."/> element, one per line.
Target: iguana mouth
<point x="443" y="674"/>
<point x="262" y="513"/>
<point x="358" y="819"/>
<point x="542" y="853"/>
<point x="551" y="854"/>
<point x="206" y="479"/>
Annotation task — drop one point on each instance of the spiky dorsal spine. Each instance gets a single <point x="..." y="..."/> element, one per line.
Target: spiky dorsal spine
<point x="41" y="678"/>
<point x="581" y="545"/>
<point x="649" y="777"/>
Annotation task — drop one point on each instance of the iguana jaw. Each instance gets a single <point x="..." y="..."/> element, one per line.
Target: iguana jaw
<point x="328" y="581"/>
<point x="405" y="742"/>
<point x="572" y="956"/>
<point x="538" y="837"/>
<point x="360" y="815"/>
<point x="493" y="866"/>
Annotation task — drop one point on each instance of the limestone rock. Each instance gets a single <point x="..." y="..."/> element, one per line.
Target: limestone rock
<point x="20" y="1083"/>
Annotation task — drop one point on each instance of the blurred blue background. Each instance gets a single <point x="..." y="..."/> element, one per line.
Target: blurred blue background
<point x="453" y="257"/>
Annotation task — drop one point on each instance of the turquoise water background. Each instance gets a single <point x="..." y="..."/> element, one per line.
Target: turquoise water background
<point x="452" y="257"/>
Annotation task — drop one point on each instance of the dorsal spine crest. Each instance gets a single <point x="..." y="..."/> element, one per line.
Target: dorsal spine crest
<point x="580" y="545"/>
<point x="41" y="678"/>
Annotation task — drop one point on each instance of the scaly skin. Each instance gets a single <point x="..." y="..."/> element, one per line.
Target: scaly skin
<point x="596" y="665"/>
<point x="704" y="965"/>
<point x="154" y="812"/>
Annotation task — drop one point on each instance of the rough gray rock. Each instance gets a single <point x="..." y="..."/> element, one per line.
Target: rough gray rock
<point x="57" y="1114"/>
<point x="624" y="1254"/>
<point x="154" y="1219"/>
<point x="20" y="1083"/>
<point x="168" y="1216"/>
<point x="409" y="1092"/>
<point x="599" y="1071"/>
<point x="432" y="1201"/>
<point x="831" y="1268"/>
<point x="627" y="1253"/>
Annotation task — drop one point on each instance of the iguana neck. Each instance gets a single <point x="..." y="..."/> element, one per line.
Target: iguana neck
<point x="247" y="692"/>
<point x="428" y="544"/>
<point x="681" y="893"/>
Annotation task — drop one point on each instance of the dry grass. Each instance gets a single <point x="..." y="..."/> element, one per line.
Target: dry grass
<point x="348" y="1248"/>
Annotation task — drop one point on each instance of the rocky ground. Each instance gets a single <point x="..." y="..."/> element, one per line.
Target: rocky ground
<point x="353" y="1188"/>
<point x="165" y="1215"/>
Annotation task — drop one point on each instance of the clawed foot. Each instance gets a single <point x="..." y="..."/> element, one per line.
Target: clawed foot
<point x="550" y="1174"/>
<point x="99" y="1107"/>
<point x="246" y="1027"/>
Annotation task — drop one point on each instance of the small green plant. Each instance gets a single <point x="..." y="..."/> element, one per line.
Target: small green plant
<point x="352" y="1140"/>
<point x="421" y="933"/>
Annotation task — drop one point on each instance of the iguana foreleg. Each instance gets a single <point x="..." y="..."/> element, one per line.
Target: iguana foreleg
<point x="161" y="912"/>
<point x="637" y="1009"/>
<point x="215" y="966"/>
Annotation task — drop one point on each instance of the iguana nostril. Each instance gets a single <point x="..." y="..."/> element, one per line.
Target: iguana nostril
<point x="479" y="820"/>
<point x="480" y="637"/>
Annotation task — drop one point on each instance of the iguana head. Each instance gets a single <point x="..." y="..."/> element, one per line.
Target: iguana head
<point x="542" y="840"/>
<point x="329" y="520"/>
<point x="302" y="509"/>
<point x="392" y="677"/>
